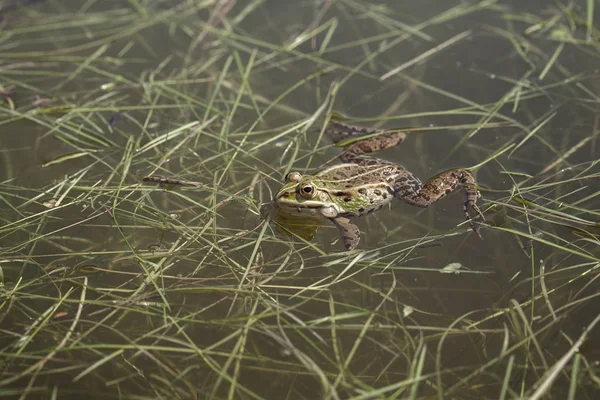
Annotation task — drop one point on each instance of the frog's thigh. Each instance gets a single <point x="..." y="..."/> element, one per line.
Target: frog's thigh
<point x="409" y="189"/>
<point x="348" y="231"/>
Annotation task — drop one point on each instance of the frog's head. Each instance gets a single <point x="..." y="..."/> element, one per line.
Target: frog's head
<point x="305" y="194"/>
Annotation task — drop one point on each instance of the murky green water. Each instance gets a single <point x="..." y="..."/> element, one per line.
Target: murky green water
<point x="116" y="289"/>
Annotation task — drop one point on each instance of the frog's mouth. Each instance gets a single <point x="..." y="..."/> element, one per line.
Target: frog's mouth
<point x="294" y="204"/>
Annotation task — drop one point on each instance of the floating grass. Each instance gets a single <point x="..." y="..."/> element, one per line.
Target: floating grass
<point x="142" y="142"/>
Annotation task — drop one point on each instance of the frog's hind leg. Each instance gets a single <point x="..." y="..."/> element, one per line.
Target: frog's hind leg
<point x="356" y="152"/>
<point x="339" y="131"/>
<point x="409" y="189"/>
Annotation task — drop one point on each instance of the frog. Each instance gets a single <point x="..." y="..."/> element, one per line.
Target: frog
<point x="363" y="184"/>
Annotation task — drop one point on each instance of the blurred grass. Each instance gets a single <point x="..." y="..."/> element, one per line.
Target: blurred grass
<point x="115" y="288"/>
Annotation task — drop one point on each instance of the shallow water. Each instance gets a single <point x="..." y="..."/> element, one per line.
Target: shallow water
<point x="117" y="289"/>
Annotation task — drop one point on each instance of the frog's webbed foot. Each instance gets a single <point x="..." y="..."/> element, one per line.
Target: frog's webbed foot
<point x="348" y="231"/>
<point x="472" y="212"/>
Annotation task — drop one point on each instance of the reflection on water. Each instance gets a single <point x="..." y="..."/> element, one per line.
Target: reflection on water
<point x="295" y="225"/>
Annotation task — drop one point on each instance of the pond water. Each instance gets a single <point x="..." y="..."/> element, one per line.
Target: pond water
<point x="115" y="288"/>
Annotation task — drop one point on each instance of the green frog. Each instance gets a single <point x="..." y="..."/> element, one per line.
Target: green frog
<point x="363" y="184"/>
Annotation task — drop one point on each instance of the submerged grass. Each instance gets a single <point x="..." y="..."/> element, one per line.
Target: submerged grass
<point x="113" y="287"/>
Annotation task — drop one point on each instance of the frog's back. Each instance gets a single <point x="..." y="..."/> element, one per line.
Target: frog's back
<point x="346" y="176"/>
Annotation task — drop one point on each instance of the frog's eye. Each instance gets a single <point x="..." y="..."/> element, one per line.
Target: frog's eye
<point x="293" y="177"/>
<point x="307" y="190"/>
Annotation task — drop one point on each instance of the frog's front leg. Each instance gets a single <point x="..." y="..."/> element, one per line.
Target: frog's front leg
<point x="348" y="231"/>
<point x="409" y="189"/>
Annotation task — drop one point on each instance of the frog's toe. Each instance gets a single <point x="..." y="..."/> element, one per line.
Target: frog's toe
<point x="475" y="227"/>
<point x="475" y="213"/>
<point x="472" y="212"/>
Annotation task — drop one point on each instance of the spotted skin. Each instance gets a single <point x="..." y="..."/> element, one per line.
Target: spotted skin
<point x="363" y="184"/>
